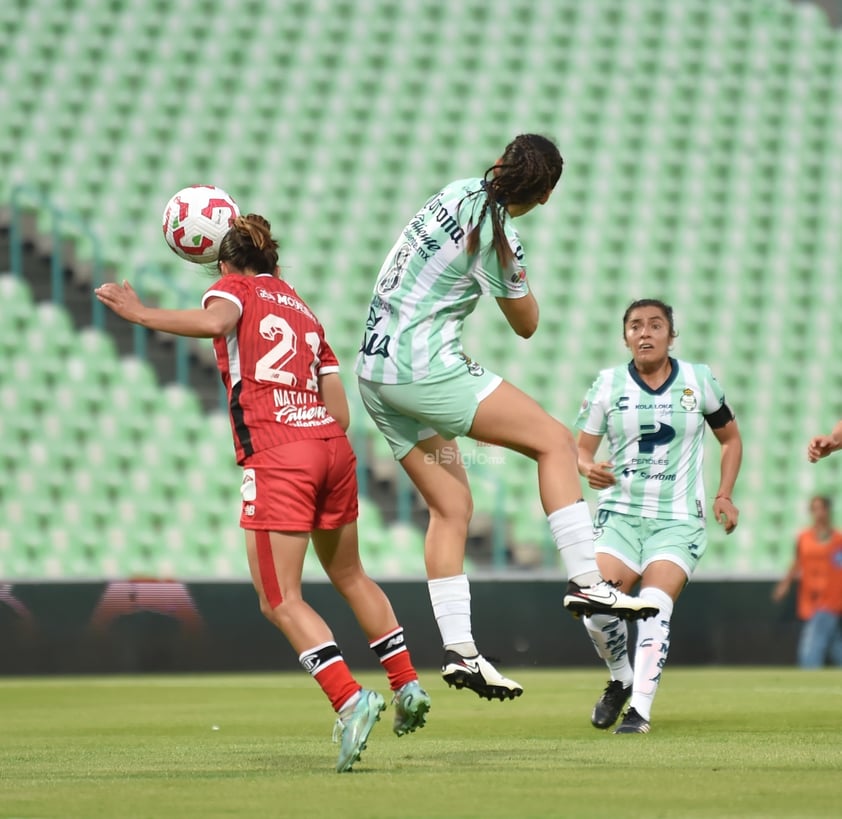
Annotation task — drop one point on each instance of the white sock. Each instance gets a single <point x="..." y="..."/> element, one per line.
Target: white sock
<point x="451" y="599"/>
<point x="653" y="645"/>
<point x="610" y="638"/>
<point x="572" y="529"/>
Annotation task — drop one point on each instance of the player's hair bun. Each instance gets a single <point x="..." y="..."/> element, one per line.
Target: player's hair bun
<point x="249" y="245"/>
<point x="258" y="230"/>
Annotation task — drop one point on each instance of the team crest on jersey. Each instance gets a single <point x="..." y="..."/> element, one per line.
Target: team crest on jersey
<point x="390" y="280"/>
<point x="688" y="400"/>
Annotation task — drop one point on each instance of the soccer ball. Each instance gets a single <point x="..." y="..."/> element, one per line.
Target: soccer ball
<point x="195" y="221"/>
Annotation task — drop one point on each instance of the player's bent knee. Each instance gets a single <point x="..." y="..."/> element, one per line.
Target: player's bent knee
<point x="266" y="608"/>
<point x="346" y="577"/>
<point x="560" y="439"/>
<point x="455" y="504"/>
<point x="457" y="512"/>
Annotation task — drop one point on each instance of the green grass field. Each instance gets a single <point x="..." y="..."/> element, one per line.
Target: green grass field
<point x="724" y="743"/>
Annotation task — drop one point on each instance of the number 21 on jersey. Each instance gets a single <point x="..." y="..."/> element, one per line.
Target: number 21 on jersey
<point x="270" y="367"/>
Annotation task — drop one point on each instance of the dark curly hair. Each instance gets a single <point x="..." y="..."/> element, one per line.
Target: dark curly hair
<point x="530" y="167"/>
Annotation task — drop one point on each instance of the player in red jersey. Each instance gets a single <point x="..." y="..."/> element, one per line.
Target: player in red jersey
<point x="289" y="414"/>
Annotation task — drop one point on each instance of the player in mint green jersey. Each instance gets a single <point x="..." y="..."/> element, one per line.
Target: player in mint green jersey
<point x="650" y="523"/>
<point x="422" y="391"/>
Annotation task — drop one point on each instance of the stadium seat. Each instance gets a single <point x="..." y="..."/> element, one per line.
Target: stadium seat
<point x="701" y="141"/>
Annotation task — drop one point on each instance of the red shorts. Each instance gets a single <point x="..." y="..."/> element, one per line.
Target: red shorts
<point x="300" y="486"/>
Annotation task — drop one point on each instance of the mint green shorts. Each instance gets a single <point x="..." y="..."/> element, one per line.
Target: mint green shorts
<point x="409" y="413"/>
<point x="637" y="541"/>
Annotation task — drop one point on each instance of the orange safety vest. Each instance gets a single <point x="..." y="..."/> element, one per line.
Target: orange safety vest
<point x="820" y="570"/>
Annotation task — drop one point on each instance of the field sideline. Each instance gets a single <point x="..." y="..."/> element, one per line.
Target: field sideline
<point x="748" y="742"/>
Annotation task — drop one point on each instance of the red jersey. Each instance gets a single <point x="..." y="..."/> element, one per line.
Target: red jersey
<point x="270" y="364"/>
<point x="820" y="569"/>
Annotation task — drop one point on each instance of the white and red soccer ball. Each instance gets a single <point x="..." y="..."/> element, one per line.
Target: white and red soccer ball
<point x="195" y="221"/>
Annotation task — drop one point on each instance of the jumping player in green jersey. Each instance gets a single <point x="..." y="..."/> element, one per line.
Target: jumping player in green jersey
<point x="650" y="523"/>
<point x="422" y="392"/>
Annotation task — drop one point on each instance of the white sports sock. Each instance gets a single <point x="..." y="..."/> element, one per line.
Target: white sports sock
<point x="653" y="645"/>
<point x="451" y="599"/>
<point x="610" y="638"/>
<point x="572" y="529"/>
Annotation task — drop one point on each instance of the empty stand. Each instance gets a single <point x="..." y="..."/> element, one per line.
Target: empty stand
<point x="701" y="141"/>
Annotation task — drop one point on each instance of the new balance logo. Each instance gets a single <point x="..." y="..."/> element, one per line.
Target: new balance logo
<point x="394" y="642"/>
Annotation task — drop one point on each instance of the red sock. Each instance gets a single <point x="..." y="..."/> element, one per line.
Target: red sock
<point x="331" y="672"/>
<point x="394" y="656"/>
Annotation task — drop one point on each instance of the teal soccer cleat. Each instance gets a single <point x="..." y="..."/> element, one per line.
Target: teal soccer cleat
<point x="411" y="703"/>
<point x="352" y="730"/>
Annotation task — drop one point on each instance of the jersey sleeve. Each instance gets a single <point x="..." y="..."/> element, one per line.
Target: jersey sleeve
<point x="592" y="416"/>
<point x="229" y="288"/>
<point x="716" y="412"/>
<point x="492" y="278"/>
<point x="328" y="362"/>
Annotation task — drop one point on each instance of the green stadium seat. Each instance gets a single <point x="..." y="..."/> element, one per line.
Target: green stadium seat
<point x="701" y="140"/>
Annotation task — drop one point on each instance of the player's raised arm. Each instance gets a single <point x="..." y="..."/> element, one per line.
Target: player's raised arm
<point x="823" y="445"/>
<point x="218" y="318"/>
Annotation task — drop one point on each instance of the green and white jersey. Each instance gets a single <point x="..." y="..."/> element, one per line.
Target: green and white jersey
<point x="655" y="438"/>
<point x="429" y="284"/>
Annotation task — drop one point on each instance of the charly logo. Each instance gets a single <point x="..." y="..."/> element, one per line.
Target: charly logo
<point x="473" y="367"/>
<point x="392" y="277"/>
<point x="311" y="662"/>
<point x="688" y="400"/>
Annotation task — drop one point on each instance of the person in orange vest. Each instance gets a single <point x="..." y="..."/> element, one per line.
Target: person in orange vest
<point x="818" y="569"/>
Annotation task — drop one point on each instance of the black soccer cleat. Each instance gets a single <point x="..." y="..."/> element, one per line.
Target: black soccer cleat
<point x="633" y="723"/>
<point x="610" y="704"/>
<point x="605" y="597"/>
<point x="479" y="675"/>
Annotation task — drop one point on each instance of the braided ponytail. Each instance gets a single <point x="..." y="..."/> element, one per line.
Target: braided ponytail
<point x="529" y="168"/>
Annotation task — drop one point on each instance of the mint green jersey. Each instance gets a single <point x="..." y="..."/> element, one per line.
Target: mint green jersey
<point x="655" y="438"/>
<point x="429" y="284"/>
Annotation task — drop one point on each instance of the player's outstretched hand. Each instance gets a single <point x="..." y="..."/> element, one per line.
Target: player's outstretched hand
<point x="121" y="298"/>
<point x="599" y="475"/>
<point x="820" y="447"/>
<point x="726" y="514"/>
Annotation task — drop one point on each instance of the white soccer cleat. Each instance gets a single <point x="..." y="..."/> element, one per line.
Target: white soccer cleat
<point x="605" y="597"/>
<point x="479" y="675"/>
